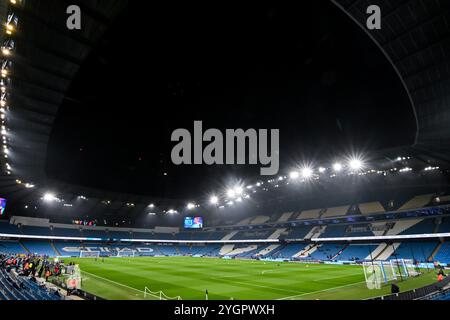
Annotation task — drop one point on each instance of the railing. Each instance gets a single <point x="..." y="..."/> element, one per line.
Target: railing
<point x="417" y="293"/>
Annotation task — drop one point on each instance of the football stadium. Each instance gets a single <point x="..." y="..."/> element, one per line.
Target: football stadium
<point x="225" y="152"/>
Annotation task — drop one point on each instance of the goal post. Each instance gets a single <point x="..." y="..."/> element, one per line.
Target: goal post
<point x="404" y="268"/>
<point x="378" y="273"/>
<point x="158" y="295"/>
<point x="89" y="254"/>
<point x="126" y="253"/>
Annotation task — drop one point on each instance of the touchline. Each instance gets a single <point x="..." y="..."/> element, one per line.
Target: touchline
<point x="252" y="145"/>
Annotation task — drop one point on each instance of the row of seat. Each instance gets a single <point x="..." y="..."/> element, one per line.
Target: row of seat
<point x="22" y="288"/>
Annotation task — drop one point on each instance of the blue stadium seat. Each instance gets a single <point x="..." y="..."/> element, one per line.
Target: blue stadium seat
<point x="357" y="252"/>
<point x="40" y="248"/>
<point x="12" y="247"/>
<point x="419" y="251"/>
<point x="7" y="228"/>
<point x="443" y="255"/>
<point x="35" y="231"/>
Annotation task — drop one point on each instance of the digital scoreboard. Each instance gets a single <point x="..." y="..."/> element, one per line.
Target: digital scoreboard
<point x="193" y="222"/>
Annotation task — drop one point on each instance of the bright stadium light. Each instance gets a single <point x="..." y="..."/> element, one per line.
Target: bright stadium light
<point x="238" y="190"/>
<point x="322" y="169"/>
<point x="337" y="167"/>
<point x="307" y="173"/>
<point x="355" y="164"/>
<point x="49" y="197"/>
<point x="294" y="175"/>
<point x="190" y="206"/>
<point x="231" y="193"/>
<point x="214" y="200"/>
<point x="151" y="205"/>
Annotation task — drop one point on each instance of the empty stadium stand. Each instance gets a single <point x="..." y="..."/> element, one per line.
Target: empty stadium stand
<point x="310" y="214"/>
<point x="371" y="207"/>
<point x="417" y="202"/>
<point x="335" y="212"/>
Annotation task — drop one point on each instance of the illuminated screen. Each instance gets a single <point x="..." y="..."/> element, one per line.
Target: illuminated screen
<point x="2" y="206"/>
<point x="193" y="222"/>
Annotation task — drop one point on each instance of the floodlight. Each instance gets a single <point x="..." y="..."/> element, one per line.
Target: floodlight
<point x="190" y="206"/>
<point x="355" y="164"/>
<point x="294" y="175"/>
<point x="49" y="197"/>
<point x="231" y="193"/>
<point x="337" y="167"/>
<point x="214" y="200"/>
<point x="307" y="173"/>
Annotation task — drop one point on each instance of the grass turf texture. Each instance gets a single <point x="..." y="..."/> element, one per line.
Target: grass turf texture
<point x="126" y="278"/>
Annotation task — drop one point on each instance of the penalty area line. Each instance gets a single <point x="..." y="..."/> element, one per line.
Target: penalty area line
<point x="121" y="284"/>
<point x="324" y="290"/>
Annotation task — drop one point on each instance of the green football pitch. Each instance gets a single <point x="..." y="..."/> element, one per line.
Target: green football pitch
<point x="189" y="278"/>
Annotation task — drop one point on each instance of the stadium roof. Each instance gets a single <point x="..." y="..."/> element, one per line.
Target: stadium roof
<point x="414" y="38"/>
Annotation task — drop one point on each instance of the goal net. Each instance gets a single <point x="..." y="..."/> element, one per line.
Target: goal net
<point x="158" y="295"/>
<point x="126" y="253"/>
<point x="89" y="254"/>
<point x="378" y="273"/>
<point x="404" y="268"/>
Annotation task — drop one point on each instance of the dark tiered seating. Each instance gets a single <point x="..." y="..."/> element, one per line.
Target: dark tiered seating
<point x="40" y="248"/>
<point x="443" y="255"/>
<point x="22" y="288"/>
<point x="334" y="231"/>
<point x="420" y="251"/>
<point x="252" y="235"/>
<point x="94" y="234"/>
<point x="298" y="232"/>
<point x="7" y="228"/>
<point x="357" y="252"/>
<point x="286" y="251"/>
<point x="63" y="232"/>
<point x="119" y="235"/>
<point x="425" y="226"/>
<point x="11" y="247"/>
<point x="35" y="231"/>
<point x="326" y="251"/>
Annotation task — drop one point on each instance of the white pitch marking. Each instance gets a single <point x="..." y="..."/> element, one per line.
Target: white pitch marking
<point x="304" y="294"/>
<point x="120" y="284"/>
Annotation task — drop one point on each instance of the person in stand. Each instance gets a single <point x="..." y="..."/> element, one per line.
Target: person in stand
<point x="47" y="274"/>
<point x="395" y="288"/>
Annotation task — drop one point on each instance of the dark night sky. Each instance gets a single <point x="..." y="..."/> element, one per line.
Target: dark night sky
<point x="309" y="71"/>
